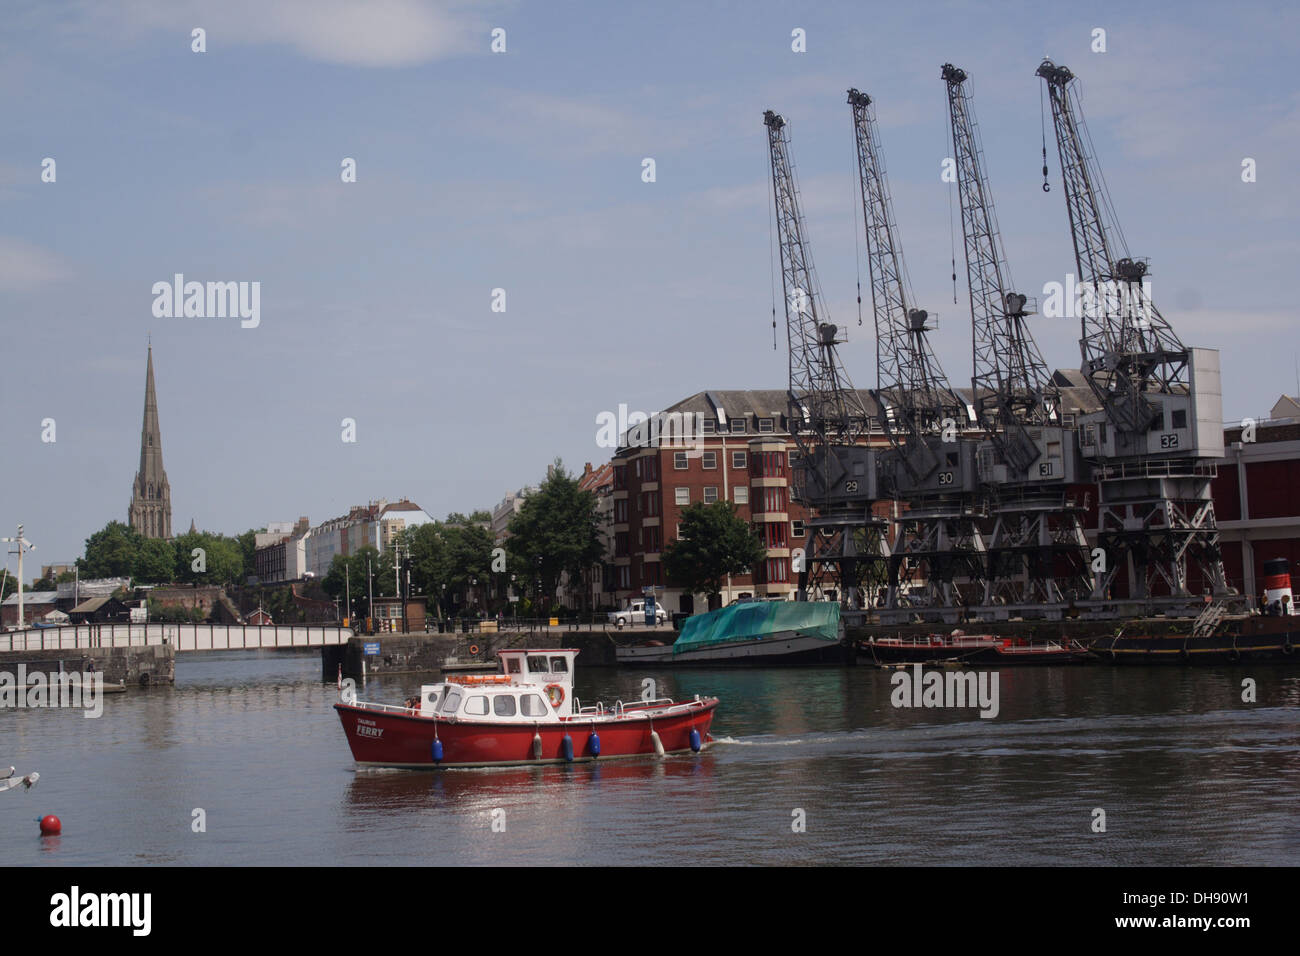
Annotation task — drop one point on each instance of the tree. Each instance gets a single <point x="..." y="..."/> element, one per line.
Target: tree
<point x="110" y="552"/>
<point x="220" y="561"/>
<point x="155" y="562"/>
<point x="248" y="553"/>
<point x="556" y="530"/>
<point x="714" y="542"/>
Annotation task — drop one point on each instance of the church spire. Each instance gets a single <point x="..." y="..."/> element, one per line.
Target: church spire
<point x="151" y="495"/>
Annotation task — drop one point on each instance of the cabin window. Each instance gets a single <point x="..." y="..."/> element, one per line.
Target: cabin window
<point x="532" y="705"/>
<point x="503" y="705"/>
<point x="451" y="701"/>
<point x="1179" y="418"/>
<point x="477" y="706"/>
<point x="512" y="665"/>
<point x="433" y="700"/>
<point x="559" y="665"/>
<point x="538" y="665"/>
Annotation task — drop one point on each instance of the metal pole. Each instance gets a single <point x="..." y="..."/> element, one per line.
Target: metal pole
<point x="370" y="585"/>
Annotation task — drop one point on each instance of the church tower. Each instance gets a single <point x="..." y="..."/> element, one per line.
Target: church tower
<point x="151" y="495"/>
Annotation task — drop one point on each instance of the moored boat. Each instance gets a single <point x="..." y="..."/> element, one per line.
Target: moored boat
<point x="1239" y="639"/>
<point x="526" y="714"/>
<point x="966" y="648"/>
<point x="755" y="633"/>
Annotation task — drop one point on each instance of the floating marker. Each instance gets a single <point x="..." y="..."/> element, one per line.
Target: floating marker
<point x="566" y="748"/>
<point x="51" y="825"/>
<point x="437" y="750"/>
<point x="695" y="740"/>
<point x="537" y="746"/>
<point x="659" y="744"/>
<point x="593" y="744"/>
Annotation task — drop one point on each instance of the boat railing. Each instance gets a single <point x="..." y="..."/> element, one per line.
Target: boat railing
<point x="386" y="708"/>
<point x="646" y="704"/>
<point x="591" y="710"/>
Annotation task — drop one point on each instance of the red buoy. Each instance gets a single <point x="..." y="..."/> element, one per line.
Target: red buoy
<point x="51" y="825"/>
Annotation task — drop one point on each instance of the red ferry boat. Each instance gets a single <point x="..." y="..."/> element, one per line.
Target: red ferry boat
<point x="526" y="714"/>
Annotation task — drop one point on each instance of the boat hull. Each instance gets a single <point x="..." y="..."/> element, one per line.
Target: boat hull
<point x="789" y="650"/>
<point x="391" y="738"/>
<point x="1267" y="644"/>
<point x="986" y="652"/>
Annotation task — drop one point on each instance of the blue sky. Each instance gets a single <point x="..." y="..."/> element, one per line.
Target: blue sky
<point x="522" y="171"/>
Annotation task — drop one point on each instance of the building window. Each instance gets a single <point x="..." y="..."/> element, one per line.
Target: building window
<point x="738" y="459"/>
<point x="741" y="493"/>
<point x="679" y="460"/>
<point x="737" y="426"/>
<point x="708" y="426"/>
<point x="682" y="496"/>
<point x="710" y="494"/>
<point x="765" y="425"/>
<point x="636" y="465"/>
<point x="1179" y="417"/>
<point x="652" y="469"/>
<point x="709" y="459"/>
<point x="796" y="529"/>
<point x="620" y="511"/>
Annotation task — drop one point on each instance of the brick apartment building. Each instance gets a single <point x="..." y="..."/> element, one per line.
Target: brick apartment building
<point x="713" y="446"/>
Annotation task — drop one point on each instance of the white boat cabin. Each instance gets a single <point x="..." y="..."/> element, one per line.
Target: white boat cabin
<point x="531" y="686"/>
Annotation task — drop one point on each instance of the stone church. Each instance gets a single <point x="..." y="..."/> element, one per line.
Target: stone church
<point x="151" y="495"/>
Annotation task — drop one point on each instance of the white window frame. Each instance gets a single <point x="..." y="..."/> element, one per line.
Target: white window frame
<point x="797" y="529"/>
<point x="714" y="490"/>
<point x="679" y="461"/>
<point x="766" y="425"/>
<point x="739" y="459"/>
<point x="706" y="457"/>
<point x="682" y="495"/>
<point x="741" y="494"/>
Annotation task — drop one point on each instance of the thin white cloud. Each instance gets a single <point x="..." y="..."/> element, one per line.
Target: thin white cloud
<point x="377" y="33"/>
<point x="25" y="266"/>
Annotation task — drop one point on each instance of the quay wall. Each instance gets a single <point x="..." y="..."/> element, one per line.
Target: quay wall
<point x="138" y="666"/>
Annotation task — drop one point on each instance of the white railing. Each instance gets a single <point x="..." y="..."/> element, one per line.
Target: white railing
<point x="182" y="637"/>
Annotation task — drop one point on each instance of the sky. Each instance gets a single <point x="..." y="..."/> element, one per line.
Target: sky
<point x="522" y="171"/>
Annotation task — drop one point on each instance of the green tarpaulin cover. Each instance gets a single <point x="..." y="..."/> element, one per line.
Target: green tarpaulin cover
<point x="758" y="620"/>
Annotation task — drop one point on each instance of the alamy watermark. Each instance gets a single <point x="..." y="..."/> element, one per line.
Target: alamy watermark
<point x="211" y="300"/>
<point x="1077" y="300"/>
<point x="947" y="689"/>
<point x="634" y="429"/>
<point x="37" y="690"/>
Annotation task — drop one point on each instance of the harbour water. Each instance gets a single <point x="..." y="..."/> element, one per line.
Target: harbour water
<point x="1186" y="772"/>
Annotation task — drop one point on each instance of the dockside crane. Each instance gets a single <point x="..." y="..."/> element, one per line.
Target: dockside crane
<point x="1038" y="559"/>
<point x="1154" y="443"/>
<point x="835" y="476"/>
<point x="930" y="466"/>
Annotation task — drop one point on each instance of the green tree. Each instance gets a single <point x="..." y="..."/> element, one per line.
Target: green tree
<point x="556" y="530"/>
<point x="110" y="552"/>
<point x="220" y="563"/>
<point x="248" y="553"/>
<point x="155" y="562"/>
<point x="714" y="543"/>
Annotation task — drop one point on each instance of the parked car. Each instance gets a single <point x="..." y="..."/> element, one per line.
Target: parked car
<point x="634" y="613"/>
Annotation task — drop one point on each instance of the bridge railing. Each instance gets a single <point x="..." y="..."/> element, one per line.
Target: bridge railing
<point x="182" y="637"/>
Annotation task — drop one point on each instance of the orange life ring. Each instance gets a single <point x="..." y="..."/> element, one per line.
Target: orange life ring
<point x="473" y="648"/>
<point x="555" y="694"/>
